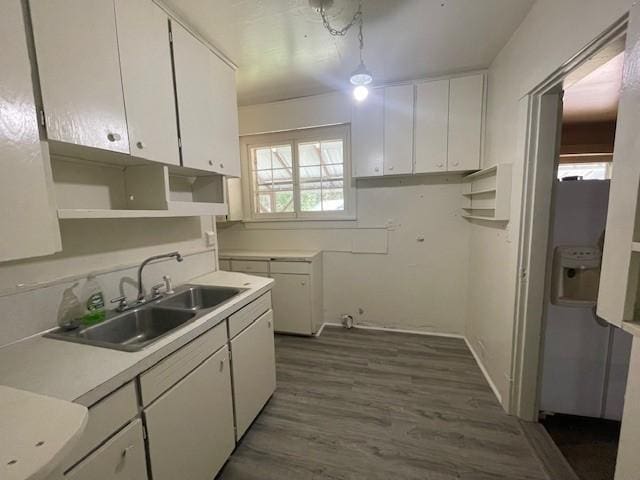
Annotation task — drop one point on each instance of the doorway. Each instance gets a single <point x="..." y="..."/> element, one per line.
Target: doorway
<point x="584" y="359"/>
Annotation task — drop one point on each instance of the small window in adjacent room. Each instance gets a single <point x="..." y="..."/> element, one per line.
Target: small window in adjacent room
<point x="299" y="175"/>
<point x="585" y="171"/>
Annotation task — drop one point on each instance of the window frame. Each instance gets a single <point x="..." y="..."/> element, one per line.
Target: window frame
<point x="294" y="138"/>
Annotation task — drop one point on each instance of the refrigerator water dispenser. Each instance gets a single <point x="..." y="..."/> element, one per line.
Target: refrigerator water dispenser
<point x="576" y="276"/>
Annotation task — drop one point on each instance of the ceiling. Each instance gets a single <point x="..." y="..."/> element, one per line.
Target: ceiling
<point x="595" y="97"/>
<point x="283" y="51"/>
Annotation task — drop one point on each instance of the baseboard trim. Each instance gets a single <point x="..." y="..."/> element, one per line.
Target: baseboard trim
<point x="484" y="371"/>
<point x="393" y="330"/>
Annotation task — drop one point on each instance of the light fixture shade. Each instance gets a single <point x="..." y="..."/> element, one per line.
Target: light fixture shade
<point x="361" y="76"/>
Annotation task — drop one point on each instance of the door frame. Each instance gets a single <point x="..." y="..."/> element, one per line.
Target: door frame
<point x="542" y="105"/>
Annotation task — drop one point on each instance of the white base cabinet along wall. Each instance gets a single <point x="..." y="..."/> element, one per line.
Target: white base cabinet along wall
<point x="291" y="301"/>
<point x="297" y="291"/>
<point x="190" y="427"/>
<point x="254" y="372"/>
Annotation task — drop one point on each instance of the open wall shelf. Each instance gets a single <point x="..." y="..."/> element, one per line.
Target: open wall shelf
<point x="487" y="194"/>
<point x="99" y="190"/>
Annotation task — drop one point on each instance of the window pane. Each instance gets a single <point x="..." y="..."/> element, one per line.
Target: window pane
<point x="282" y="174"/>
<point x="262" y="158"/>
<point x="310" y="173"/>
<point x="309" y="153"/>
<point x="264" y="177"/>
<point x="588" y="171"/>
<point x="332" y="200"/>
<point x="284" y="201"/>
<point x="263" y="203"/>
<point x="333" y="171"/>
<point x="332" y="152"/>
<point x="282" y="156"/>
<point x="311" y="200"/>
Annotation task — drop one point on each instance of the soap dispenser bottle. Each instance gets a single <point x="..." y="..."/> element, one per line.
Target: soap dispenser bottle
<point x="92" y="302"/>
<point x="70" y="311"/>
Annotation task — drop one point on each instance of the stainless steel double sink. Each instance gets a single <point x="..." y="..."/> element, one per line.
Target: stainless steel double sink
<point x="139" y="327"/>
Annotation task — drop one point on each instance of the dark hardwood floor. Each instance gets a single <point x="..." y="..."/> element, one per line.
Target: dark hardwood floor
<point x="361" y="404"/>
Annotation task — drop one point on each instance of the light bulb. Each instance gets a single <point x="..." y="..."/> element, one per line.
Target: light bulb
<point x="360" y="93"/>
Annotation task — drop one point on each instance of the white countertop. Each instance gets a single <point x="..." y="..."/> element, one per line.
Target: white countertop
<point x="291" y="255"/>
<point x="37" y="433"/>
<point x="85" y="373"/>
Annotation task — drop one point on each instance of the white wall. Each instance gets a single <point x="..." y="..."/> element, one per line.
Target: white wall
<point x="31" y="290"/>
<point x="552" y="33"/>
<point x="411" y="284"/>
<point x="417" y="285"/>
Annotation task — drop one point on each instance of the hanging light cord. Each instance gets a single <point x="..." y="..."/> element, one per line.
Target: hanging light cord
<point x="341" y="32"/>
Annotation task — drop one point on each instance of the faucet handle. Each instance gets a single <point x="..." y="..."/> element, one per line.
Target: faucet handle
<point x="121" y="301"/>
<point x="155" y="290"/>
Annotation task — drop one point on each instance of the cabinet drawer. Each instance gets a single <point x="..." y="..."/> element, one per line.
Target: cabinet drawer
<point x="254" y="371"/>
<point x="121" y="458"/>
<point x="291" y="267"/>
<point x="169" y="371"/>
<point x="105" y="418"/>
<point x="246" y="315"/>
<point x="249" y="266"/>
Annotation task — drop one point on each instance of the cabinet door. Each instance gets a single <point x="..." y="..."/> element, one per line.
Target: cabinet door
<point x="26" y="207"/>
<point x="465" y="122"/>
<point x="190" y="427"/>
<point x="147" y="80"/>
<point x="432" y="123"/>
<point x="77" y="54"/>
<point x="291" y="296"/>
<point x="398" y="130"/>
<point x="207" y="106"/>
<point x="254" y="371"/>
<point x="367" y="135"/>
<point x="226" y="136"/>
<point x="121" y="458"/>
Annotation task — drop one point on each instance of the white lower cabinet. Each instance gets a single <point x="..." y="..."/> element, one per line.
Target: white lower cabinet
<point x="292" y="303"/>
<point x="190" y="428"/>
<point x="120" y="458"/>
<point x="254" y="370"/>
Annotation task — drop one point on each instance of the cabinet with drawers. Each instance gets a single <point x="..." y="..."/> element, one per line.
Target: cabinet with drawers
<point x="297" y="292"/>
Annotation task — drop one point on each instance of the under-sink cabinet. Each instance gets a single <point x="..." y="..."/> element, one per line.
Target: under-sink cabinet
<point x="186" y="412"/>
<point x="190" y="427"/>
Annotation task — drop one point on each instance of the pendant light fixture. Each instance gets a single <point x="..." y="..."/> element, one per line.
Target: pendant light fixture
<point x="361" y="77"/>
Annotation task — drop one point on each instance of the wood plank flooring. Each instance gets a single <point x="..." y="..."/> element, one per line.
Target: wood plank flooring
<point x="361" y="404"/>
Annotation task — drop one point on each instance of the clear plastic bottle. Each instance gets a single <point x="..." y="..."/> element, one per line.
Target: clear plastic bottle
<point x="70" y="311"/>
<point x="92" y="302"/>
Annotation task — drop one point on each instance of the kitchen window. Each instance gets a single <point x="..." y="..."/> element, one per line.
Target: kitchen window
<point x="299" y="175"/>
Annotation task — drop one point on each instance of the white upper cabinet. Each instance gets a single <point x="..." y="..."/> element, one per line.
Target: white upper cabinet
<point x="398" y="130"/>
<point x="432" y="126"/>
<point x="207" y="106"/>
<point x="465" y="122"/>
<point x="27" y="213"/>
<point x="145" y="60"/>
<point x="367" y="135"/>
<point x="77" y="54"/>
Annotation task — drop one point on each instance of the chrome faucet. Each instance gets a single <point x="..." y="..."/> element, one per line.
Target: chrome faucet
<point x="141" y="294"/>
